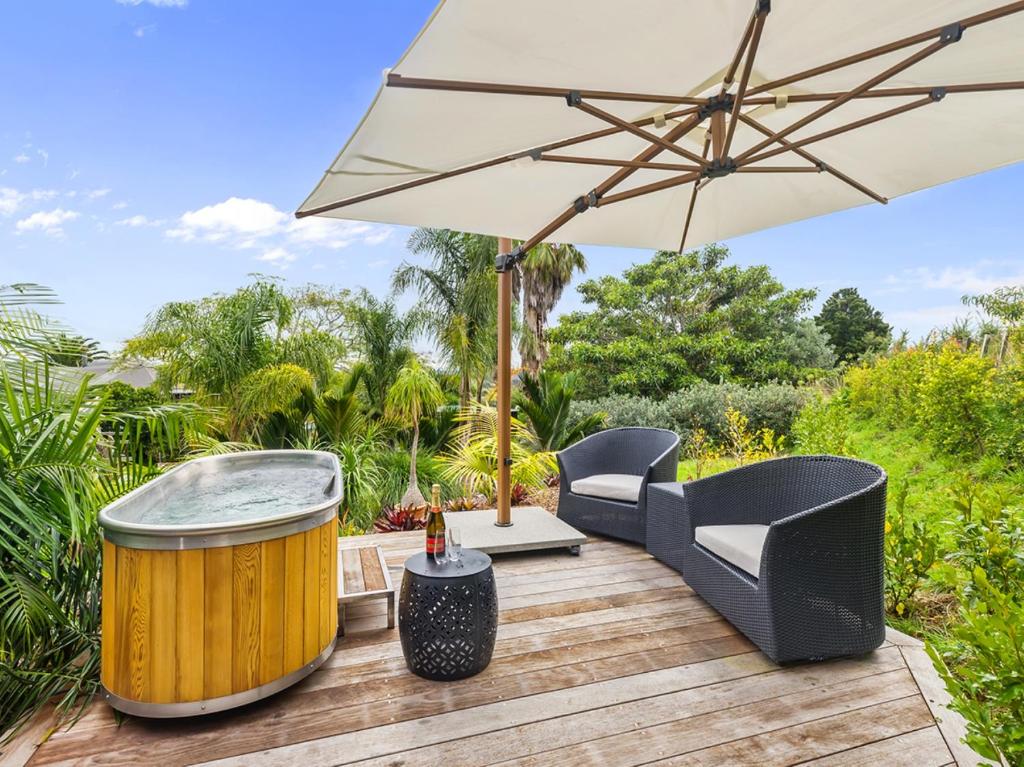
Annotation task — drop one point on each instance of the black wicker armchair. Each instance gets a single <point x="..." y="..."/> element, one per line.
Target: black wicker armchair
<point x="603" y="479"/>
<point x="789" y="550"/>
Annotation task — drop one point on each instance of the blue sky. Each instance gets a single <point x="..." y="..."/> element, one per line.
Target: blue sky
<point x="153" y="150"/>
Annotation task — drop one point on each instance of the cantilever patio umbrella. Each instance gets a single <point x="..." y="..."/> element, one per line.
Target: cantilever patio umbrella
<point x="672" y="123"/>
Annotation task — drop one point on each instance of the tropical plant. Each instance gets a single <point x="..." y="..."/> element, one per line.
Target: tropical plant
<point x="854" y="326"/>
<point x="457" y="300"/>
<point x="472" y="460"/>
<point x="676" y="320"/>
<point x="546" y="271"/>
<point x="235" y="351"/>
<point x="545" y="402"/>
<point x="413" y="395"/>
<point x="382" y="337"/>
<point x="57" y="469"/>
<point x="397" y="519"/>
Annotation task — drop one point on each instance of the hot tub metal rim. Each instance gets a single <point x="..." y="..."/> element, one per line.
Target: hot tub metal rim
<point x="215" y="705"/>
<point x="212" y="535"/>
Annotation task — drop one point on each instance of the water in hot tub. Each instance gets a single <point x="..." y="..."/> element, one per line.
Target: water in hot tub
<point x="240" y="494"/>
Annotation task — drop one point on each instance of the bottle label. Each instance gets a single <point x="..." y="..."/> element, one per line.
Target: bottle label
<point x="435" y="544"/>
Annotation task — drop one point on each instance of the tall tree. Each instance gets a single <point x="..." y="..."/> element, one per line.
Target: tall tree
<point x="382" y="337"/>
<point x="413" y="395"/>
<point x="854" y="326"/>
<point x="678" y="319"/>
<point x="546" y="272"/>
<point x="236" y="351"/>
<point x="457" y="303"/>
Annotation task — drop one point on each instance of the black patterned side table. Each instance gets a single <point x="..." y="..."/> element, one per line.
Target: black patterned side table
<point x="448" y="616"/>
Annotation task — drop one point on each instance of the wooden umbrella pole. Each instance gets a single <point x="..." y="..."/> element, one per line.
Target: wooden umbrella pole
<point x="504" y="386"/>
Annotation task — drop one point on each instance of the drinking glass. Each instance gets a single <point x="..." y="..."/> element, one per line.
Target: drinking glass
<point x="454" y="546"/>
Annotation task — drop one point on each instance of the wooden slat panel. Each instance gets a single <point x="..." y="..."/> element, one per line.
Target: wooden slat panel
<point x="163" y="632"/>
<point x="272" y="610"/>
<point x="218" y="628"/>
<point x="245" y="602"/>
<point x="311" y="597"/>
<point x="333" y="602"/>
<point x="294" y="602"/>
<point x="108" y="616"/>
<point x="133" y="583"/>
<point x="921" y="748"/>
<point x="373" y="576"/>
<point x="328" y="609"/>
<point x="191" y="624"/>
<point x="792" y="745"/>
<point x="352" y="572"/>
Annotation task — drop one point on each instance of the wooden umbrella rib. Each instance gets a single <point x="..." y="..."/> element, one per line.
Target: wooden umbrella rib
<point x="656" y="186"/>
<point x="839" y="130"/>
<point x="812" y="158"/>
<point x="838" y="102"/>
<point x="779" y="169"/>
<point x="741" y="90"/>
<point x="467" y="86"/>
<point x="687" y="112"/>
<point x="924" y="90"/>
<point x="693" y="201"/>
<point x="618" y="163"/>
<point x="730" y="73"/>
<point x="652" y="138"/>
<point x="881" y="50"/>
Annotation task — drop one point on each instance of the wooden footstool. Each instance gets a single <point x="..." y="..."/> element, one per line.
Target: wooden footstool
<point x="363" y="575"/>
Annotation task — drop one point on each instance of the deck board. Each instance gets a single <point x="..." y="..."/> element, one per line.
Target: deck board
<point x="606" y="658"/>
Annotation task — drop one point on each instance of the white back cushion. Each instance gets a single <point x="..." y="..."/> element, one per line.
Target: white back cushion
<point x="739" y="545"/>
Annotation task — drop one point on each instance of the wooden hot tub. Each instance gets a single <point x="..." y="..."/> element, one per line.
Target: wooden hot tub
<point x="220" y="582"/>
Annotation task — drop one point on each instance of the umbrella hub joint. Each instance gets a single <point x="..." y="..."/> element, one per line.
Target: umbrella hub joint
<point x="951" y="33"/>
<point x="585" y="202"/>
<point x="720" y="102"/>
<point x="719" y="167"/>
<point x="506" y="262"/>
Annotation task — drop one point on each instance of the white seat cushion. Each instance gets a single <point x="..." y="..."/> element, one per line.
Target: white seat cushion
<point x="738" y="545"/>
<point x="616" y="487"/>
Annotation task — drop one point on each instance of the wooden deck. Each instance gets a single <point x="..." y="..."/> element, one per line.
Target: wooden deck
<point x="603" y="659"/>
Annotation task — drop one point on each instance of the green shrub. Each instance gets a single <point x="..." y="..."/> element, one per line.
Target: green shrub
<point x="703" y="405"/>
<point x="888" y="388"/>
<point x="823" y="427"/>
<point x="956" y="401"/>
<point x="910" y="551"/>
<point x="623" y="410"/>
<point x="983" y="668"/>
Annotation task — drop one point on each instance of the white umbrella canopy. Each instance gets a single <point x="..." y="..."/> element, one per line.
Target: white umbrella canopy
<point x="672" y="123"/>
<point x="491" y="80"/>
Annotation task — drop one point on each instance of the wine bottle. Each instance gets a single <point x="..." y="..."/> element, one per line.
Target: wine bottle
<point x="436" y="528"/>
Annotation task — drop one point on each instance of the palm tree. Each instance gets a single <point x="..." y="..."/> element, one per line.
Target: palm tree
<point x="58" y="466"/>
<point x="414" y="394"/>
<point x="546" y="401"/>
<point x="457" y="299"/>
<point x="382" y="338"/>
<point x="547" y="270"/>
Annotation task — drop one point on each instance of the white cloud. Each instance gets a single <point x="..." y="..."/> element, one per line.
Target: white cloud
<point x="143" y="30"/>
<point x="139" y="221"/>
<point x="956" y="279"/>
<point x="378" y="263"/>
<point x="922" y="321"/>
<point x="157" y="3"/>
<point x="334" y="233"/>
<point x="121" y="205"/>
<point x="10" y="200"/>
<point x="49" y="222"/>
<point x="43" y="194"/>
<point x="95" y="194"/>
<point x="278" y="257"/>
<point x="45" y="155"/>
<point x="236" y="221"/>
<point x="22" y="158"/>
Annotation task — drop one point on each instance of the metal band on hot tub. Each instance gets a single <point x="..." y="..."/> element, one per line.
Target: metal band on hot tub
<point x="170" y="539"/>
<point x="212" y="705"/>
